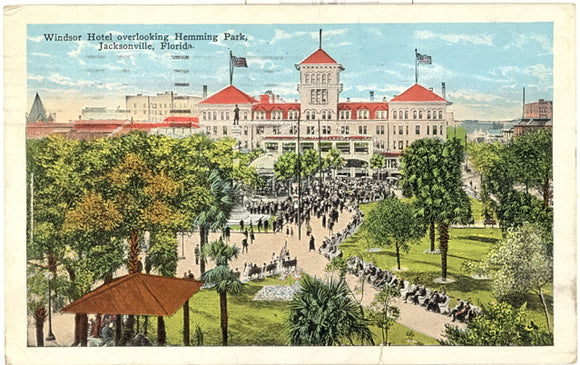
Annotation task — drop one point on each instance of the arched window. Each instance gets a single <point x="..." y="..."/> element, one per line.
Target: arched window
<point x="414" y="114"/>
<point x="307" y="80"/>
<point x="245" y="115"/>
<point x="428" y="114"/>
<point x="400" y="114"/>
<point x="406" y="114"/>
<point x="318" y="78"/>
<point x="324" y="78"/>
<point x="395" y="115"/>
<point x="204" y="116"/>
<point x="328" y="78"/>
<point x="214" y="115"/>
<point x="222" y="115"/>
<point x="420" y="114"/>
<point x="227" y="115"/>
<point x="440" y="114"/>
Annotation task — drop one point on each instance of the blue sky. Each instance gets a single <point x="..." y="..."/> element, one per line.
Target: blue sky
<point x="484" y="65"/>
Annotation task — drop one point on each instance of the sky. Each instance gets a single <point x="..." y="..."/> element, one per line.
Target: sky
<point x="485" y="66"/>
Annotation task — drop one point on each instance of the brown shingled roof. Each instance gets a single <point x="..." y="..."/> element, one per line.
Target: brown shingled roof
<point x="138" y="294"/>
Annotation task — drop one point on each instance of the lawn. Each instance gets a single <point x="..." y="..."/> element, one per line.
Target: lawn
<point x="262" y="323"/>
<point x="465" y="244"/>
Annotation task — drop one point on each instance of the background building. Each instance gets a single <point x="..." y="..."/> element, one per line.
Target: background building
<point x="542" y="109"/>
<point x="163" y="105"/>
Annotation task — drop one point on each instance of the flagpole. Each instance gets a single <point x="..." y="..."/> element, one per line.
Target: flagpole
<point x="416" y="72"/>
<point x="231" y="67"/>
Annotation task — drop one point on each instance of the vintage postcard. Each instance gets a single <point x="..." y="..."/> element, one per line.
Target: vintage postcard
<point x="292" y="184"/>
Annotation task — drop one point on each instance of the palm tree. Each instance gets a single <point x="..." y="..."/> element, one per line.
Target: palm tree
<point x="222" y="278"/>
<point x="324" y="313"/>
<point x="162" y="255"/>
<point x="432" y="173"/>
<point x="215" y="214"/>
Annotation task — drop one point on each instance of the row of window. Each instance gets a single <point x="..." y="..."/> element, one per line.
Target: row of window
<point x="362" y="114"/>
<point x="418" y="114"/>
<point x="222" y="115"/>
<point x="417" y="130"/>
<point x="317" y="78"/>
<point x="343" y="147"/>
<point x="318" y="96"/>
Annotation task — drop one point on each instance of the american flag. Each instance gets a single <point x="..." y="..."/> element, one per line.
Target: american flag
<point x="422" y="58"/>
<point x="239" y="61"/>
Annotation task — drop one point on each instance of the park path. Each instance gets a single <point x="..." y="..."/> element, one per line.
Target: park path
<point x="311" y="262"/>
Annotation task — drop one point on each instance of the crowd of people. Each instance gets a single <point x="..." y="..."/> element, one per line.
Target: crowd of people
<point x="281" y="264"/>
<point x="329" y="247"/>
<point x="433" y="300"/>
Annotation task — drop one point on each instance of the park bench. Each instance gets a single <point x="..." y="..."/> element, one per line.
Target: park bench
<point x="444" y="307"/>
<point x="489" y="222"/>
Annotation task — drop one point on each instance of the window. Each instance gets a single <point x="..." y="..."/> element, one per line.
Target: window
<point x="427" y="130"/>
<point x="394" y="115"/>
<point x="361" y="147"/>
<point x="245" y="115"/>
<point x="227" y="115"/>
<point x="414" y="114"/>
<point x="400" y="129"/>
<point x="318" y="78"/>
<point x="307" y="79"/>
<point x="215" y="129"/>
<point x="420" y="114"/>
<point x="400" y="114"/>
<point x="400" y="145"/>
<point x="394" y="145"/>
<point x="225" y="130"/>
<point x="417" y="129"/>
<point x="208" y="130"/>
<point x="407" y="143"/>
<point x="382" y="129"/>
<point x="214" y="115"/>
<point x="428" y="114"/>
<point x="434" y="130"/>
<point x="440" y="114"/>
<point x="441" y="130"/>
<point x="345" y="129"/>
<point x="343" y="147"/>
<point x="309" y="129"/>
<point x="324" y="78"/>
<point x="222" y="115"/>
<point x="362" y="129"/>
<point x="260" y="130"/>
<point x="406" y="114"/>
<point x="394" y="129"/>
<point x="276" y="130"/>
<point x="407" y="129"/>
<point x="245" y="130"/>
<point x="204" y="116"/>
<point x="325" y="146"/>
<point x="325" y="129"/>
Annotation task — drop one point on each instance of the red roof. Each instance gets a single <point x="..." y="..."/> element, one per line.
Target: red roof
<point x="139" y="294"/>
<point x="230" y="95"/>
<point x="363" y="105"/>
<point x="276" y="106"/>
<point x="417" y="93"/>
<point x="318" y="57"/>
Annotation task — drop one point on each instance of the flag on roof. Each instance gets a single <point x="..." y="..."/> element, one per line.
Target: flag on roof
<point x="422" y="58"/>
<point x="239" y="61"/>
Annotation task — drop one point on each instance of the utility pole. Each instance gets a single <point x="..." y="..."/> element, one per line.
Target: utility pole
<point x="299" y="184"/>
<point x="319" y="157"/>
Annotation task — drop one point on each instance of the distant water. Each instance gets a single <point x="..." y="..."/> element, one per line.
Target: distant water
<point x="477" y="125"/>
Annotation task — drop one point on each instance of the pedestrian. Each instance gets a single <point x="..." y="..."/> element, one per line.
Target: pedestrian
<point x="311" y="246"/>
<point x="259" y="224"/>
<point x="190" y="275"/>
<point x="287" y="230"/>
<point x="228" y="233"/>
<point x="252" y="237"/>
<point x="241" y="225"/>
<point x="291" y="231"/>
<point x="266" y="226"/>
<point x="197" y="253"/>
<point x="245" y="245"/>
<point x="184" y="275"/>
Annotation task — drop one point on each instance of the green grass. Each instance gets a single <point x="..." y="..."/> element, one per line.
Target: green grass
<point x="262" y="323"/>
<point x="465" y="244"/>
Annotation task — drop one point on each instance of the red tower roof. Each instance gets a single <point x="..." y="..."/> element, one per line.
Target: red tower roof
<point x="230" y="95"/>
<point x="417" y="93"/>
<point x="318" y="57"/>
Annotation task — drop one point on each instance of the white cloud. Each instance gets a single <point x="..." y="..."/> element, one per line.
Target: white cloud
<point x="477" y="39"/>
<point x="472" y="95"/>
<point x="36" y="39"/>
<point x="40" y="54"/>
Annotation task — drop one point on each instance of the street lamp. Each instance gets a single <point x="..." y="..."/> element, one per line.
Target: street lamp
<point x="50" y="336"/>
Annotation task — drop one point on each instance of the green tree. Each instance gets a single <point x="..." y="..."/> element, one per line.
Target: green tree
<point x="309" y="163"/>
<point x="324" y="314"/>
<point x="222" y="278"/>
<point x="333" y="161"/>
<point x="498" y="325"/>
<point x="393" y="223"/>
<point x="383" y="314"/>
<point x="216" y="210"/>
<point x="377" y="161"/>
<point x="521" y="264"/>
<point x="431" y="172"/>
<point x="285" y="167"/>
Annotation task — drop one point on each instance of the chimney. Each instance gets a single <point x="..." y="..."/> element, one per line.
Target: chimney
<point x="431" y="89"/>
<point x="348" y="100"/>
<point x="371" y="95"/>
<point x="443" y="90"/>
<point x="265" y="99"/>
<point x="204" y="95"/>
